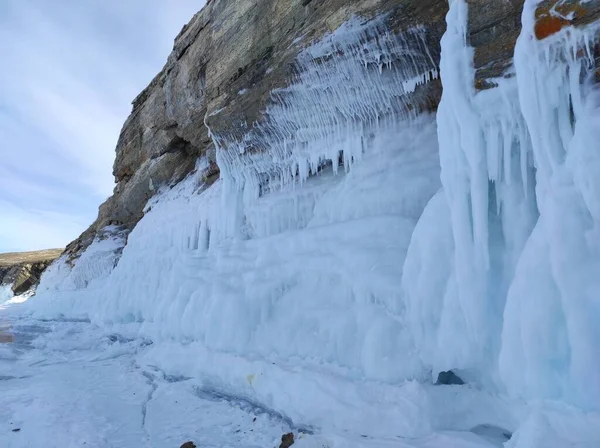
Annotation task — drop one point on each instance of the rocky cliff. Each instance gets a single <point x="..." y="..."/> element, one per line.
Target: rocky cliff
<point x="225" y="65"/>
<point x="22" y="271"/>
<point x="237" y="64"/>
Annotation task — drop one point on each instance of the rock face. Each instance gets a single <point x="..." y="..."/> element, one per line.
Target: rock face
<point x="219" y="80"/>
<point x="553" y="15"/>
<point x="237" y="64"/>
<point x="24" y="270"/>
<point x="494" y="28"/>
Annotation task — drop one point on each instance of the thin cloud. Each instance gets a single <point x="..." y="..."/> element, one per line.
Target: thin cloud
<point x="70" y="71"/>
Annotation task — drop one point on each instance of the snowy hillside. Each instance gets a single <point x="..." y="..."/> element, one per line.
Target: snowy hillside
<point x="325" y="282"/>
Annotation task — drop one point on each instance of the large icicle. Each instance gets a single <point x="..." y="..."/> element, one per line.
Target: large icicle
<point x="551" y="336"/>
<point x="519" y="171"/>
<point x="488" y="186"/>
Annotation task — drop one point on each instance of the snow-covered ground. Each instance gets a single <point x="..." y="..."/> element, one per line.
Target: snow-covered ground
<point x="70" y="383"/>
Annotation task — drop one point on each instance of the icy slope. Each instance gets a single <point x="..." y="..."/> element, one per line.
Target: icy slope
<point x="5" y="293"/>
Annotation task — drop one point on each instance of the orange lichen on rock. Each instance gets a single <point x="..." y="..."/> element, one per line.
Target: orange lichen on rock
<point x="553" y="16"/>
<point x="548" y="25"/>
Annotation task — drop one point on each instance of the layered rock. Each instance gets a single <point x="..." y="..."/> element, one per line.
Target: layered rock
<point x="238" y="64"/>
<point x="22" y="271"/>
<point x="494" y="27"/>
<point x="493" y="31"/>
<point x="225" y="64"/>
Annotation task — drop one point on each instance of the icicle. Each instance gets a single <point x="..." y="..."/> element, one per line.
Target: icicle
<point x="352" y="77"/>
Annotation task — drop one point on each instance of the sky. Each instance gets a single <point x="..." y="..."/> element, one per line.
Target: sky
<point x="68" y="73"/>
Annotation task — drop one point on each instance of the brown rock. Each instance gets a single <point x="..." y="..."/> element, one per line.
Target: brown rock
<point x="553" y="15"/>
<point x="232" y="55"/>
<point x="495" y="26"/>
<point x="287" y="440"/>
<point x="493" y="30"/>
<point x="188" y="445"/>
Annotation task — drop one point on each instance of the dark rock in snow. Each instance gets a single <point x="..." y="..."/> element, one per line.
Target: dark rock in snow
<point x="449" y="378"/>
<point x="188" y="445"/>
<point x="287" y="440"/>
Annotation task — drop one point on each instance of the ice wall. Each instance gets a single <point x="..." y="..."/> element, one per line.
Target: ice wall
<point x="488" y="206"/>
<point x="550" y="322"/>
<point x="326" y="292"/>
<point x="352" y="87"/>
<point x="515" y="288"/>
<point x="288" y="256"/>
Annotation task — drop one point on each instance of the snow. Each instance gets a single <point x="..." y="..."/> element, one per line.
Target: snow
<point x="72" y="383"/>
<point x="6" y="293"/>
<point x="326" y="280"/>
<point x="326" y="301"/>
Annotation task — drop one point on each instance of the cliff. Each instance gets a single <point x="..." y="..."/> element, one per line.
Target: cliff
<point x="231" y="59"/>
<point x="23" y="270"/>
<point x="225" y="64"/>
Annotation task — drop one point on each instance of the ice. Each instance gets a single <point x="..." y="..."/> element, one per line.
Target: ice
<point x="71" y="384"/>
<point x="487" y="206"/>
<point x="511" y="302"/>
<point x="316" y="266"/>
<point x="6" y="293"/>
<point x="325" y="280"/>
<point x="558" y="342"/>
<point x="351" y="88"/>
<point x="94" y="265"/>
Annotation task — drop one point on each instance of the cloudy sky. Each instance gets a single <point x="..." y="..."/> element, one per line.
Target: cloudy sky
<point x="68" y="73"/>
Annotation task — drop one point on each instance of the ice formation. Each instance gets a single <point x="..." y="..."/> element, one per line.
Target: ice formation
<point x="5" y="293"/>
<point x="94" y="265"/>
<point x="371" y="276"/>
<point x="521" y="200"/>
<point x="352" y="88"/>
<point x="488" y="206"/>
<point x="556" y="309"/>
